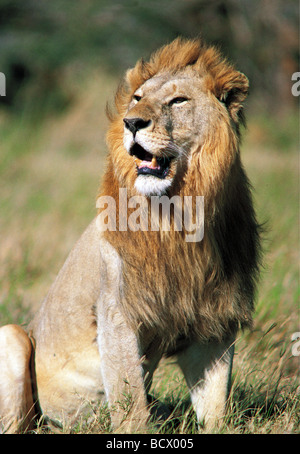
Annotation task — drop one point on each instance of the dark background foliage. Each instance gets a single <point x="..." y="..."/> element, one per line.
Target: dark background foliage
<point x="41" y="39"/>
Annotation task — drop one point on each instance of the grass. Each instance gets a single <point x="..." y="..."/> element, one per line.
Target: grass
<point x="50" y="171"/>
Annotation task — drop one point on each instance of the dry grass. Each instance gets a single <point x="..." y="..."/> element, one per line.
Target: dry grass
<point x="49" y="180"/>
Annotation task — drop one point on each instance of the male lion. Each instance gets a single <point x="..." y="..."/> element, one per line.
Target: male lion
<point x="125" y="298"/>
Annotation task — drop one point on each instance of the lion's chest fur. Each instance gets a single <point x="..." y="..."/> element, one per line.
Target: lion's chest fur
<point x="175" y="289"/>
<point x="162" y="281"/>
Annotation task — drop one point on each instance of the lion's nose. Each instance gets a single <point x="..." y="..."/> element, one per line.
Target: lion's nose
<point x="135" y="124"/>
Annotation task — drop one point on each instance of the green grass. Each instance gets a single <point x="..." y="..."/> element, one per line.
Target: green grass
<point x="49" y="175"/>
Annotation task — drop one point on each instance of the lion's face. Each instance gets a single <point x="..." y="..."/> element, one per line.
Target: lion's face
<point x="166" y="120"/>
<point x="177" y="122"/>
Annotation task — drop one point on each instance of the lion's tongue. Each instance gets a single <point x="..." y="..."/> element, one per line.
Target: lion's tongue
<point x="150" y="164"/>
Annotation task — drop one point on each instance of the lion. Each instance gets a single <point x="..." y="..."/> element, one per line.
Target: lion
<point x="125" y="297"/>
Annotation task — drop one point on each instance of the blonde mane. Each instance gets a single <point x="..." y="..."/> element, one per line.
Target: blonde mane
<point x="204" y="289"/>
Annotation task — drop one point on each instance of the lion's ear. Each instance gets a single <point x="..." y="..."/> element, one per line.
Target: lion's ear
<point x="232" y="89"/>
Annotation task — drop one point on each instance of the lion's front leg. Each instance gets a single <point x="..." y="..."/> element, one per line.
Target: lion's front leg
<point x="207" y="370"/>
<point x="121" y="370"/>
<point x="120" y="357"/>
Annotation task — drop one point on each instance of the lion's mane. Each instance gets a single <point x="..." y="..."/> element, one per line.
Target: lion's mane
<point x="206" y="289"/>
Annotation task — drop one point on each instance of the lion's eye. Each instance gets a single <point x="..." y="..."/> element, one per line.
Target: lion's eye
<point x="178" y="100"/>
<point x="137" y="98"/>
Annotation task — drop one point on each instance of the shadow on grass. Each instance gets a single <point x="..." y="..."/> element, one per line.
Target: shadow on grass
<point x="267" y="407"/>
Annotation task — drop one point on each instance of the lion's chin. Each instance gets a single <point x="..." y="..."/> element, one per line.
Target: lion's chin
<point x="149" y="185"/>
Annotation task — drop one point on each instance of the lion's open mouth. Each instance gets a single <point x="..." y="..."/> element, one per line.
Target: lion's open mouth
<point x="149" y="164"/>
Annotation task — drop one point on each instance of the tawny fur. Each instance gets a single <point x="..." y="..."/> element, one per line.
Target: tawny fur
<point x="123" y="298"/>
<point x="203" y="290"/>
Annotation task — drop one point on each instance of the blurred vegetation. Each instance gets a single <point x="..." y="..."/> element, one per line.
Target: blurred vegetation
<point x="62" y="60"/>
<point x="42" y="42"/>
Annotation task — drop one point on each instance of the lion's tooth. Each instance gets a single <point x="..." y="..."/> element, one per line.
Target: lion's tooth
<point x="154" y="162"/>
